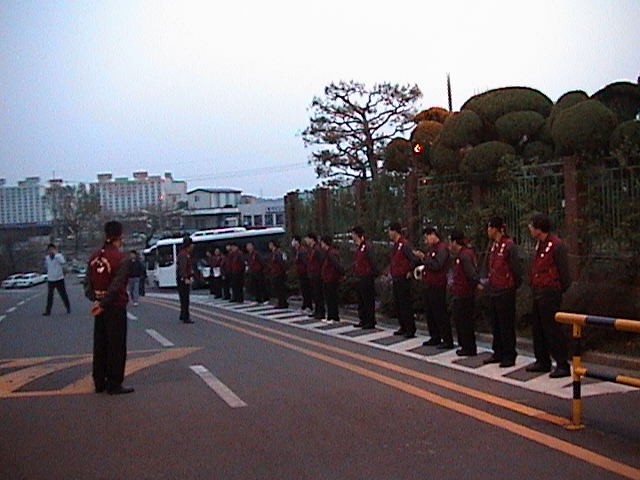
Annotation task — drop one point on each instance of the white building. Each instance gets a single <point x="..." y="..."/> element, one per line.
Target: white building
<point x="121" y="195"/>
<point x="212" y="208"/>
<point x="23" y="204"/>
<point x="262" y="212"/>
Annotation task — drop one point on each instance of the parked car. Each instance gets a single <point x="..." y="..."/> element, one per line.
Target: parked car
<point x="10" y="281"/>
<point x="30" y="279"/>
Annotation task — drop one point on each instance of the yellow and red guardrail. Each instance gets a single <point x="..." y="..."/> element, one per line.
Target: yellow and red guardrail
<point x="578" y="321"/>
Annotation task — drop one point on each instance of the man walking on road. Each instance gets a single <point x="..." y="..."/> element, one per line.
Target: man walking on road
<point x="136" y="274"/>
<point x="106" y="287"/>
<point x="53" y="263"/>
<point x="184" y="274"/>
<point x="549" y="278"/>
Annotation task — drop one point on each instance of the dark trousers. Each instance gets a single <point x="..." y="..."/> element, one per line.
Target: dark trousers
<point x="462" y="314"/>
<point x="215" y="286"/>
<point x="226" y="286"/>
<point x="280" y="290"/>
<point x="58" y="285"/>
<point x="141" y="287"/>
<point x="331" y="297"/>
<point x="503" y="325"/>
<point x="237" y="287"/>
<point x="259" y="286"/>
<point x="109" y="347"/>
<point x="318" y="296"/>
<point x="306" y="291"/>
<point x="403" y="304"/>
<point x="549" y="339"/>
<point x="184" y="290"/>
<point x="366" y="300"/>
<point x="436" y="312"/>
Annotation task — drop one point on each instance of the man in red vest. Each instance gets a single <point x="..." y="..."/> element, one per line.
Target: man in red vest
<point x="434" y="268"/>
<point x="184" y="275"/>
<point x="278" y="273"/>
<point x="256" y="273"/>
<point x="401" y="265"/>
<point x="549" y="278"/>
<point x="314" y="265"/>
<point x="331" y="273"/>
<point x="236" y="266"/>
<point x="365" y="271"/>
<point x="464" y="280"/>
<point x="300" y="259"/>
<point x="502" y="276"/>
<point x="106" y="287"/>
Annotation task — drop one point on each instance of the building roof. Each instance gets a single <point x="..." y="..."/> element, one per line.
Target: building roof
<point x="214" y="190"/>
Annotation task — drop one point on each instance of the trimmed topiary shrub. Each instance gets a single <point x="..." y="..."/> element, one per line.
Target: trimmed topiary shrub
<point x="461" y="129"/>
<point x="565" y="101"/>
<point x="538" y="150"/>
<point x="627" y="132"/>
<point x="480" y="164"/>
<point x="397" y="155"/>
<point x="434" y="114"/>
<point x="493" y="104"/>
<point x="512" y="127"/>
<point x="426" y="132"/>
<point x="622" y="98"/>
<point x="444" y="159"/>
<point x="585" y="127"/>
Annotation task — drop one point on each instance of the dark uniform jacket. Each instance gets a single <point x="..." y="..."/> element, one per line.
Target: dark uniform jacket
<point x="549" y="268"/>
<point x="402" y="259"/>
<point x="502" y="267"/>
<point x="435" y="266"/>
<point x="465" y="274"/>
<point x="331" y="270"/>
<point x="109" y="289"/>
<point x="277" y="263"/>
<point x="364" y="260"/>
<point x="184" y="266"/>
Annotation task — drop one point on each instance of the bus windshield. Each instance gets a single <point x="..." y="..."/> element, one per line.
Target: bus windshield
<point x="165" y="255"/>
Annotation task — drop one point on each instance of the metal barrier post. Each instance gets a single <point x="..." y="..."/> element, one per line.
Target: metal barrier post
<point x="576" y="403"/>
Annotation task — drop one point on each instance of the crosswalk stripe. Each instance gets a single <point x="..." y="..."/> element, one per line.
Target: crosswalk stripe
<point x="217" y="386"/>
<point x="156" y="336"/>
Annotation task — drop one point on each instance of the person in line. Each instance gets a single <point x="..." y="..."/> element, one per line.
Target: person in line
<point x="236" y="267"/>
<point x="184" y="275"/>
<point x="365" y="271"/>
<point x="215" y="279"/>
<point x="136" y="272"/>
<point x="464" y="281"/>
<point x="53" y="265"/>
<point x="314" y="266"/>
<point x="226" y="273"/>
<point x="549" y="278"/>
<point x="401" y="266"/>
<point x="256" y="270"/>
<point x="502" y="276"/>
<point x="434" y="268"/>
<point x="278" y="274"/>
<point x="331" y="272"/>
<point x="106" y="287"/>
<point x="300" y="259"/>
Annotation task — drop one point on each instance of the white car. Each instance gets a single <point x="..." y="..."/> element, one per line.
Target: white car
<point x="10" y="281"/>
<point x="30" y="279"/>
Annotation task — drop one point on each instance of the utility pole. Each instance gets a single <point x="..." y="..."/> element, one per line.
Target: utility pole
<point x="449" y="93"/>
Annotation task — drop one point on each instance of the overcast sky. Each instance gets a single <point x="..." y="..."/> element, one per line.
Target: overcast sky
<point x="218" y="92"/>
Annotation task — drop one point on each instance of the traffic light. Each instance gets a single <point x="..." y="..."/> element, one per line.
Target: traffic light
<point x="417" y="148"/>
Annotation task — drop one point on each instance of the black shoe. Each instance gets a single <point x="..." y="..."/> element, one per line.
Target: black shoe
<point x="432" y="342"/>
<point x="369" y="327"/>
<point x="359" y="325"/>
<point x="560" y="372"/>
<point x="445" y="346"/>
<point x="538" y="367"/>
<point x="400" y="332"/>
<point x="410" y="335"/>
<point x="120" y="390"/>
<point x="45" y="314"/>
<point x="507" y="363"/>
<point x="69" y="312"/>
<point x="461" y="352"/>
<point x="100" y="388"/>
<point x="188" y="321"/>
<point x="491" y="359"/>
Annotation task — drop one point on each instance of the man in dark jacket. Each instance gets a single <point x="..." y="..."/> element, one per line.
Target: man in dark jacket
<point x="236" y="267"/>
<point x="549" y="278"/>
<point x="300" y="259"/>
<point x="106" y="287"/>
<point x="314" y="265"/>
<point x="256" y="272"/>
<point x="136" y="274"/>
<point x="278" y="274"/>
<point x="401" y="264"/>
<point x="184" y="275"/>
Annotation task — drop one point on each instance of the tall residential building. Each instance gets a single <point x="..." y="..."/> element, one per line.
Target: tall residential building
<point x="121" y="195"/>
<point x="23" y="204"/>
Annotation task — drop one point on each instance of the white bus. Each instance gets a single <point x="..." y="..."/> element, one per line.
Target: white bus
<point x="161" y="257"/>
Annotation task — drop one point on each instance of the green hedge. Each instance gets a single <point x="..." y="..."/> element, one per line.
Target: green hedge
<point x="511" y="127"/>
<point x="461" y="129"/>
<point x="444" y="159"/>
<point x="622" y="98"/>
<point x="480" y="164"/>
<point x="397" y="155"/>
<point x="493" y="104"/>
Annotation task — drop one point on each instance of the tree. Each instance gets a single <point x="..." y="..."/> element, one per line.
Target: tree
<point x="352" y="125"/>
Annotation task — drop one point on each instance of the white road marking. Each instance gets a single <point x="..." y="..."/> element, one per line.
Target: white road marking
<point x="217" y="386"/>
<point x="2" y="317"/>
<point x="131" y="316"/>
<point x="12" y="309"/>
<point x="156" y="336"/>
<point x="21" y="303"/>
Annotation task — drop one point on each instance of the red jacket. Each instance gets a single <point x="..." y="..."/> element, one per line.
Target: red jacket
<point x="315" y="257"/>
<point x="234" y="263"/>
<point x="277" y="264"/>
<point x="110" y="288"/>
<point x="436" y="263"/>
<point x="362" y="264"/>
<point x="255" y="262"/>
<point x="462" y="285"/>
<point x="331" y="270"/>
<point x="400" y="264"/>
<point x="543" y="272"/>
<point x="301" y="259"/>
<point x="500" y="274"/>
